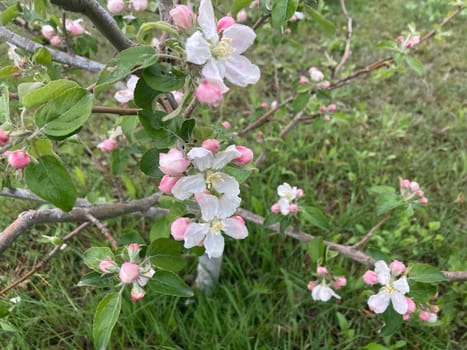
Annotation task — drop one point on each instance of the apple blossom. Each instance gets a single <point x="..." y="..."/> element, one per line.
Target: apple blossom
<point x="303" y="80"/>
<point x="215" y="214"/>
<point x="293" y="208"/>
<point x="107" y="265"/>
<point x="265" y="105"/>
<point x="183" y="17"/>
<point x="242" y="16"/>
<point x="321" y="270"/>
<point x="414" y="186"/>
<point x="3" y="137"/>
<point x="74" y="27"/>
<point x="224" y="23"/>
<point x="167" y="183"/>
<point x="245" y="157"/>
<point x="107" y="145"/>
<point x="18" y="159"/>
<point x="322" y="109"/>
<point x="226" y="125"/>
<point x="129" y="272"/>
<point x="315" y="74"/>
<point x="370" y="277"/>
<point x="126" y="95"/>
<point x="48" y="31"/>
<point x="397" y="267"/>
<point x="177" y="95"/>
<point x="133" y="250"/>
<point x="325" y="84"/>
<point x="275" y="208"/>
<point x="405" y="183"/>
<point x="55" y="40"/>
<point x="322" y="292"/>
<point x="221" y="57"/>
<point x="392" y="291"/>
<point x="210" y="92"/>
<point x="260" y="134"/>
<point x="311" y="285"/>
<point x="178" y="228"/>
<point x="173" y="163"/>
<point x="428" y="316"/>
<point x="340" y="282"/>
<point x="423" y="201"/>
<point x="139" y="5"/>
<point x="212" y="145"/>
<point x="332" y="107"/>
<point x="115" y="6"/>
<point x="137" y="292"/>
<point x="287" y="192"/>
<point x="299" y="193"/>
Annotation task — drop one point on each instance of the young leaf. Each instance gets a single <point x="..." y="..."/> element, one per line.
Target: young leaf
<point x="425" y="273"/>
<point x="149" y="163"/>
<point x="7" y="72"/>
<point x="105" y="318"/>
<point x="415" y="64"/>
<point x="49" y="180"/>
<point x="316" y="218"/>
<point x="48" y="92"/>
<point x="168" y="283"/>
<point x="161" y="78"/>
<point x="316" y="248"/>
<point x="328" y="27"/>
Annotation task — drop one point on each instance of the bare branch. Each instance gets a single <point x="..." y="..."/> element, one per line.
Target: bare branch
<point x="371" y="232"/>
<point x="58" y="56"/>
<point x="21" y="193"/>
<point x="348" y="36"/>
<point x="115" y="110"/>
<point x="104" y="229"/>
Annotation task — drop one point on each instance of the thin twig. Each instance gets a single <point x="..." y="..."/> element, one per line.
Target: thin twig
<point x="348" y="36"/>
<point x="65" y="34"/>
<point x="277" y="89"/>
<point x="115" y="110"/>
<point x="371" y="232"/>
<point x="190" y="108"/>
<point x="46" y="259"/>
<point x="105" y="231"/>
<point x="292" y="124"/>
<point x="259" y="22"/>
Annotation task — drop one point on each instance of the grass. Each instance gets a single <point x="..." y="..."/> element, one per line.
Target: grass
<point x="405" y="126"/>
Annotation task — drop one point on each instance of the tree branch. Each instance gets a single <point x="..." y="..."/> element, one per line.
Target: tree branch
<point x="115" y="110"/>
<point x="348" y="36"/>
<point x="103" y="21"/>
<point x="58" y="56"/>
<point x="371" y="232"/>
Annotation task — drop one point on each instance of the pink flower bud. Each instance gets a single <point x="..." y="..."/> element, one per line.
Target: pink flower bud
<point x="210" y="92"/>
<point x="137" y="293"/>
<point x="332" y="107"/>
<point x="182" y="16"/>
<point x="406" y="316"/>
<point x="420" y="193"/>
<point x="48" y="31"/>
<point x="224" y="23"/>
<point x="55" y="40"/>
<point x="18" y="159"/>
<point x="254" y="4"/>
<point x="303" y="80"/>
<point x="265" y="105"/>
<point x="327" y="118"/>
<point x="239" y="219"/>
<point x="107" y="145"/>
<point x="275" y="208"/>
<point x="139" y="5"/>
<point x="321" y="270"/>
<point x="400" y="38"/>
<point x="299" y="193"/>
<point x="179" y="227"/>
<point x="76" y="29"/>
<point x="178" y="95"/>
<point x="246" y="155"/>
<point x="260" y="134"/>
<point x="340" y="282"/>
<point x="322" y="109"/>
<point x="212" y="145"/>
<point x="115" y="6"/>
<point x="423" y="201"/>
<point x="3" y="137"/>
<point x="315" y="74"/>
<point x="311" y="285"/>
<point x="293" y="208"/>
<point x="411" y="305"/>
<point x="226" y="125"/>
<point x="129" y="272"/>
<point x="432" y="317"/>
<point x="274" y="104"/>
<point x="397" y="267"/>
<point x="108" y="265"/>
<point x="424" y="315"/>
<point x="405" y="183"/>
<point x="434" y="308"/>
<point x="370" y="277"/>
<point x="242" y="16"/>
<point x="173" y="163"/>
<point x="133" y="251"/>
<point x="167" y="183"/>
<point x="325" y="84"/>
<point x="414" y="186"/>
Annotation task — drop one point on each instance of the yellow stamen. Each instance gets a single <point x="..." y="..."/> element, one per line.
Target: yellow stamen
<point x="224" y="49"/>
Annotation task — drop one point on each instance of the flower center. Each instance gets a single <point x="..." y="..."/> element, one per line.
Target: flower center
<point x="216" y="226"/>
<point x="288" y="195"/>
<point x="212" y="178"/>
<point x="389" y="289"/>
<point x="224" y="49"/>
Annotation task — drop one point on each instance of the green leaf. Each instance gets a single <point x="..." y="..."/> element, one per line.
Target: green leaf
<point x="7" y="72"/>
<point x="316" y="217"/>
<point x="48" y="92"/>
<point x="241" y="174"/>
<point x="201" y="133"/>
<point x="316" y="249"/>
<point x="41" y="147"/>
<point x="10" y="14"/>
<point x="149" y="163"/>
<point x="388" y="45"/>
<point x="49" y="180"/>
<point x="284" y="223"/>
<point x="163" y="78"/>
<point x="120" y="159"/>
<point x="66" y="114"/>
<point x="165" y="246"/>
<point x="425" y="273"/>
<point x="4" y="105"/>
<point x="271" y="218"/>
<point x="168" y="262"/>
<point x="95" y="279"/>
<point x="42" y="56"/>
<point x="168" y="283"/>
<point x="160" y="229"/>
<point x="415" y="64"/>
<point x="144" y="95"/>
<point x="105" y="318"/>
<point x="301" y="101"/>
<point x="93" y="256"/>
<point x="374" y="346"/>
<point x="328" y="27"/>
<point x="159" y="25"/>
<point x="187" y="129"/>
<point x="392" y="322"/>
<point x="278" y="14"/>
<point x="162" y="132"/>
<point x="422" y="292"/>
<point x="237" y="5"/>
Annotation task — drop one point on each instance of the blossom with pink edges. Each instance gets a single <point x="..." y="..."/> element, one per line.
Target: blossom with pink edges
<point x="183" y="17"/>
<point x="18" y="159"/>
<point x="115" y="6"/>
<point x="245" y="157"/>
<point x="167" y="183"/>
<point x="178" y="228"/>
<point x="173" y="163"/>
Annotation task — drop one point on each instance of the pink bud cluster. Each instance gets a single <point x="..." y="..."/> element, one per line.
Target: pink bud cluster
<point x="74" y="27"/>
<point x="321" y="288"/>
<point x="410" y="42"/>
<point x="17" y="159"/>
<point x="117" y="6"/>
<point x="411" y="190"/>
<point x="288" y="198"/>
<point x="136" y="272"/>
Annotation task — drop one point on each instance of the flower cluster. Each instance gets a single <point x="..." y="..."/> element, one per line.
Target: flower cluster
<point x="136" y="272"/>
<point x="217" y="194"/>
<point x="321" y="289"/>
<point x="74" y="27"/>
<point x="411" y="190"/>
<point x="111" y="142"/>
<point x="117" y="6"/>
<point x="411" y="41"/>
<point x="218" y="47"/>
<point x="288" y="197"/>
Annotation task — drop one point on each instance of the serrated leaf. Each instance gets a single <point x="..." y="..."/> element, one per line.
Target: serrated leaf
<point x="328" y="27"/>
<point x="144" y="95"/>
<point x="105" y="318"/>
<point x="48" y="92"/>
<point x="169" y="283"/>
<point x="93" y="256"/>
<point x="162" y="78"/>
<point x="316" y="249"/>
<point x="392" y="322"/>
<point x="149" y="163"/>
<point x="415" y="64"/>
<point x="425" y="273"/>
<point x="315" y="217"/>
<point x="49" y="180"/>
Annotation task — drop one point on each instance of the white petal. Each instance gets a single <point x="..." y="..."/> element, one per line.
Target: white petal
<point x="284" y="206"/>
<point x="242" y="37"/>
<point x="207" y="21"/>
<point x="283" y="189"/>
<point x="188" y="185"/>
<point x="399" y="303"/>
<point x="209" y="205"/>
<point x="240" y="71"/>
<point x="221" y="159"/>
<point x="227" y="206"/>
<point x="214" y="245"/>
<point x="195" y="233"/>
<point x="235" y="229"/>
<point x="131" y="83"/>
<point x="378" y="303"/>
<point x="227" y="185"/>
<point x="326" y="293"/>
<point x="383" y="272"/>
<point x="197" y="49"/>
<point x="401" y="285"/>
<point x="202" y="158"/>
